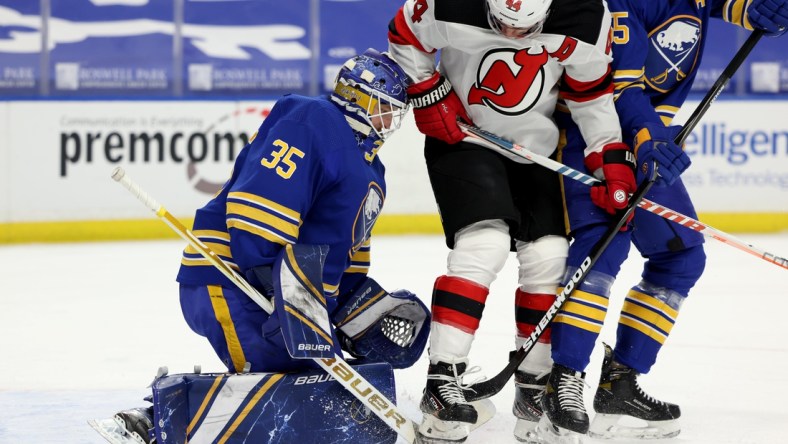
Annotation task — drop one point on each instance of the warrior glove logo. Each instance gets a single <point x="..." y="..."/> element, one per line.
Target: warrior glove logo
<point x="509" y="81"/>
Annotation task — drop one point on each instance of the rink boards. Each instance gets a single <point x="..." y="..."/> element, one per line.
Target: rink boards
<point x="56" y="158"/>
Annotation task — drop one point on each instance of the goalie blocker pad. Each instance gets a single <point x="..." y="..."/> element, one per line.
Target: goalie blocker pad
<point x="305" y="407"/>
<point x="301" y="303"/>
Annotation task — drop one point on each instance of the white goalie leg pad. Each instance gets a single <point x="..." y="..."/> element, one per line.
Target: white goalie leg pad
<point x="480" y="251"/>
<point x="605" y="426"/>
<point x="542" y="263"/>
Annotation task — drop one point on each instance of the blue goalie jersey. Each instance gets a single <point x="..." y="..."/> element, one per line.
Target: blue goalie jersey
<point x="302" y="179"/>
<point x="658" y="47"/>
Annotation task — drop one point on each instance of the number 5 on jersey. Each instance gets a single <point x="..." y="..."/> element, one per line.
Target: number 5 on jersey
<point x="284" y="155"/>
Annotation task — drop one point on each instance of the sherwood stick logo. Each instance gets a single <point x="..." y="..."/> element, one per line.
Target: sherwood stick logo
<point x="559" y="301"/>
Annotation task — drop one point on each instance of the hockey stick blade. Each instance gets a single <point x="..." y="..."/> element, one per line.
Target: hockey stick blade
<point x="489" y="140"/>
<point x="490" y="387"/>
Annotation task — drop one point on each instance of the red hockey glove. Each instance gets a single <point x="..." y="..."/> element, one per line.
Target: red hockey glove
<point x="617" y="164"/>
<point x="436" y="107"/>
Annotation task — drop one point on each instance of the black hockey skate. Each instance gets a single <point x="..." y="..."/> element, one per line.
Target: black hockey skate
<point x="137" y="423"/>
<point x="528" y="393"/>
<point x="620" y="395"/>
<point x="564" y="419"/>
<point x="447" y="415"/>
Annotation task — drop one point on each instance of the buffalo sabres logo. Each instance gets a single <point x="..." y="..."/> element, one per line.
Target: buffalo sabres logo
<point x="359" y="412"/>
<point x="673" y="52"/>
<point x="509" y="81"/>
<point x="367" y="215"/>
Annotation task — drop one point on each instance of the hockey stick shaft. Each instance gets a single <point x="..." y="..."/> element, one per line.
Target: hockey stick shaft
<point x="494" y="385"/>
<point x="489" y="140"/>
<point x="335" y="366"/>
<point x="719" y="85"/>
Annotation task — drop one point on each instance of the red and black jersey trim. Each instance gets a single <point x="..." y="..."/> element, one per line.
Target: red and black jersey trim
<point x="401" y="34"/>
<point x="578" y="91"/>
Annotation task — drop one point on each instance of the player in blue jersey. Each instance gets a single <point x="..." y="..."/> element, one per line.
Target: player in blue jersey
<point x="657" y="47"/>
<point x="310" y="176"/>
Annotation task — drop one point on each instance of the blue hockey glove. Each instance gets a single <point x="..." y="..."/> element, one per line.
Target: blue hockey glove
<point x="655" y="142"/>
<point x="262" y="279"/>
<point x="374" y="325"/>
<point x="769" y="15"/>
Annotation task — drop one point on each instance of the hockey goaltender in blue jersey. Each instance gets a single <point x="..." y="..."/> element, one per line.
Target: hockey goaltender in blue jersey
<point x="255" y="214"/>
<point x="294" y="220"/>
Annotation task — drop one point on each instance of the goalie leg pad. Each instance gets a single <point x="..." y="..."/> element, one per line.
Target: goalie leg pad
<point x="254" y="407"/>
<point x="378" y="326"/>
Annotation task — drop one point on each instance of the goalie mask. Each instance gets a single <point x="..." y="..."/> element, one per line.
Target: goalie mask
<point x="370" y="89"/>
<point x="517" y="19"/>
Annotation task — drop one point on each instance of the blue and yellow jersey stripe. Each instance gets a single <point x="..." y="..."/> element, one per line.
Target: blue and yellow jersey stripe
<point x="583" y="310"/>
<point x="217" y="241"/>
<point x="262" y="217"/>
<point x="360" y="260"/>
<point x="627" y="78"/>
<point x="648" y="315"/>
<point x="735" y="12"/>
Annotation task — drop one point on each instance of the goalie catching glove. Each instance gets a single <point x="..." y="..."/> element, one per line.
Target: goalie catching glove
<point x="377" y="326"/>
<point x="436" y="108"/>
<point x="615" y="166"/>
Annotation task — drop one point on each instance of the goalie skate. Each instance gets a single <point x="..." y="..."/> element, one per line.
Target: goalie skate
<point x="625" y="411"/>
<point x="127" y="427"/>
<point x="112" y="432"/>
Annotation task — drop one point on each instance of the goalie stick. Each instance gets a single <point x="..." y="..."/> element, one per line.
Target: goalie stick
<point x="490" y="387"/>
<point x="335" y="366"/>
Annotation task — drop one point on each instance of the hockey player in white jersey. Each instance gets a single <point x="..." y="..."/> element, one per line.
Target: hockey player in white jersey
<point x="503" y="66"/>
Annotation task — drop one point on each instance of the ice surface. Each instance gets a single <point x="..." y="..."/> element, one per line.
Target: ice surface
<point x="84" y="328"/>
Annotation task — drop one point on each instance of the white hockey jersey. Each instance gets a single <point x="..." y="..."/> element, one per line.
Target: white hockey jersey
<point x="511" y="86"/>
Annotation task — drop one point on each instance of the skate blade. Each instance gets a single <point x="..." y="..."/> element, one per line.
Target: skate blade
<point x="550" y="434"/>
<point x="435" y="431"/>
<point x="606" y="426"/>
<point x="111" y="431"/>
<point x="525" y="431"/>
<point x="485" y="409"/>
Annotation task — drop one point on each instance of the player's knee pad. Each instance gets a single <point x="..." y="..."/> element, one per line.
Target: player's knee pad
<point x="480" y="251"/>
<point x="676" y="270"/>
<point x="542" y="263"/>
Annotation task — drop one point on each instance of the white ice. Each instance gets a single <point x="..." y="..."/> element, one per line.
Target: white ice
<point x="84" y="327"/>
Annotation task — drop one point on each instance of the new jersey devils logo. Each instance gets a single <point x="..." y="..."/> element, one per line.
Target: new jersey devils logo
<point x="514" y="5"/>
<point x="509" y="81"/>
